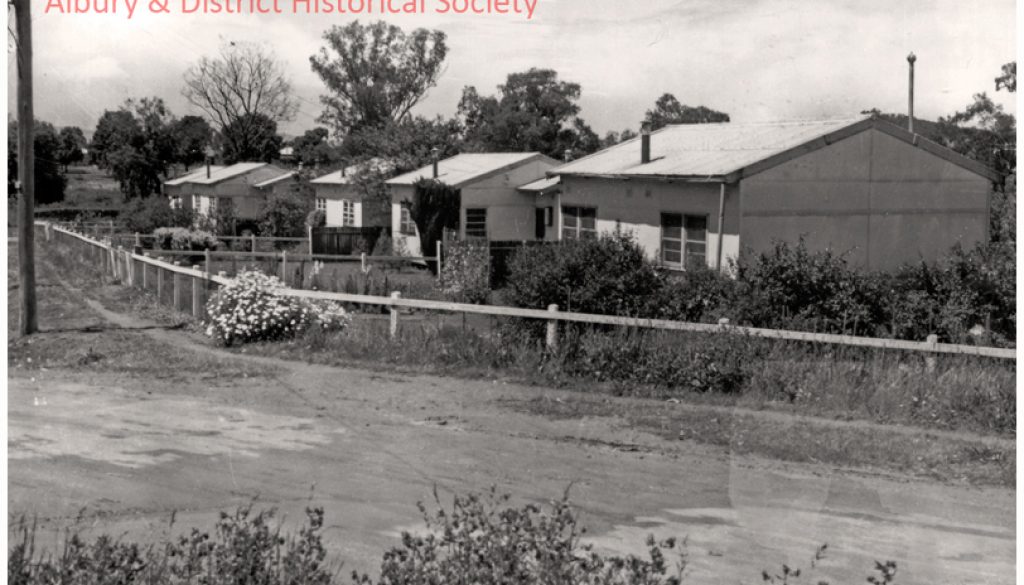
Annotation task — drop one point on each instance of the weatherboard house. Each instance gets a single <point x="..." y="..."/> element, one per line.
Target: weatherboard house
<point x="697" y="194"/>
<point x="242" y="187"/>
<point x="346" y="203"/>
<point x="492" y="205"/>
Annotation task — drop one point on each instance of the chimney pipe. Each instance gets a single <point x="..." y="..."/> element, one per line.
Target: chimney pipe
<point x="645" y="143"/>
<point x="911" y="58"/>
<point x="435" y="151"/>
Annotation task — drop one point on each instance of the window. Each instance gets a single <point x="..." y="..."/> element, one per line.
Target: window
<point x="195" y="202"/>
<point x="579" y="223"/>
<point x="476" y="223"/>
<point x="406" y="225"/>
<point x="321" y="203"/>
<point x="684" y="240"/>
<point x="176" y="202"/>
<point x="348" y="213"/>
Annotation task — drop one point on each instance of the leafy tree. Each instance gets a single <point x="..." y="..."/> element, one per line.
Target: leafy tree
<point x="1008" y="80"/>
<point x="376" y="73"/>
<point x="72" y="141"/>
<point x="408" y="144"/>
<point x="50" y="181"/>
<point x="191" y="135"/>
<point x="252" y="137"/>
<point x="239" y="91"/>
<point x="147" y="214"/>
<point x="612" y="138"/>
<point x="312" y="148"/>
<point x="533" y="111"/>
<point x="137" y="145"/>
<point x="435" y="207"/>
<point x="667" y="110"/>
<point x="114" y="130"/>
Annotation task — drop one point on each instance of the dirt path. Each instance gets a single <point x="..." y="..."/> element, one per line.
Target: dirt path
<point x="367" y="445"/>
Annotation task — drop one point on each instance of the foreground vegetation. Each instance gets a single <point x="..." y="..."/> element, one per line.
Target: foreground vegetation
<point x="480" y="540"/>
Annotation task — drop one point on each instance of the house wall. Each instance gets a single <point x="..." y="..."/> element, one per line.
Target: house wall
<point x="248" y="200"/>
<point x="368" y="213"/>
<point x="411" y="243"/>
<point x="510" y="214"/>
<point x="636" y="205"/>
<point x="881" y="201"/>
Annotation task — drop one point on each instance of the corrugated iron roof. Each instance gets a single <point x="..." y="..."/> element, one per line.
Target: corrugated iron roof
<point x="273" y="180"/>
<point x="226" y="173"/>
<point x="705" y="150"/>
<point x="343" y="177"/>
<point x="541" y="186"/>
<point x="188" y="177"/>
<point x="463" y="169"/>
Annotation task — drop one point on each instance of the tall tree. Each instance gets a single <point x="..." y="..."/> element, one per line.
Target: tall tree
<point x="252" y="137"/>
<point x="668" y="110"/>
<point x="50" y="181"/>
<point x="1008" y="79"/>
<point x="533" y="111"/>
<point x="136" y="145"/>
<point x="72" y="141"/>
<point x="376" y="73"/>
<point x="245" y="84"/>
<point x="191" y="135"/>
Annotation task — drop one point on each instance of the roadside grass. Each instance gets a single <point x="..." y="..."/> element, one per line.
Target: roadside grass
<point x="88" y="186"/>
<point x="73" y="336"/>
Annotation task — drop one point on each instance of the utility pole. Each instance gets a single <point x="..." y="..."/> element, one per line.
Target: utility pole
<point x="28" y="323"/>
<point x="911" y="58"/>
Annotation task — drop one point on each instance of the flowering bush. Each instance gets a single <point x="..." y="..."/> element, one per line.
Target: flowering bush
<point x="466" y="274"/>
<point x="249" y="309"/>
<point x="183" y="239"/>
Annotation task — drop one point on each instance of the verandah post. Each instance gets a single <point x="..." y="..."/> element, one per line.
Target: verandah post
<point x="551" y="339"/>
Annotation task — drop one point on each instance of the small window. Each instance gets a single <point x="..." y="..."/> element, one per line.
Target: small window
<point x="195" y="202"/>
<point x="476" y="223"/>
<point x="684" y="240"/>
<point x="579" y="223"/>
<point x="176" y="202"/>
<point x="321" y="203"/>
<point x="406" y="225"/>
<point x="348" y="213"/>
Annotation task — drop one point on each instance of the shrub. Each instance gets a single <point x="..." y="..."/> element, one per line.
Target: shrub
<point x="465" y="275"/>
<point x="316" y="218"/>
<point x="146" y="214"/>
<point x="484" y="541"/>
<point x="283" y="215"/>
<point x="249" y="310"/>
<point x="607" y="275"/>
<point x="183" y="239"/>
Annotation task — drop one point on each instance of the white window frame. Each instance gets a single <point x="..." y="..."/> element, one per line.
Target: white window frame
<point x="406" y="226"/>
<point x="348" y="213"/>
<point x="577" y="231"/>
<point x="321" y="204"/>
<point x="685" y="240"/>
<point x="476" y="223"/>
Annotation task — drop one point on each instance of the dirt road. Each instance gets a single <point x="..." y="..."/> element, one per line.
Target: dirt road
<point x="368" y="445"/>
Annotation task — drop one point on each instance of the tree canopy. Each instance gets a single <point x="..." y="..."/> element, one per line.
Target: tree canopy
<point x="312" y="148"/>
<point x="533" y="111"/>
<point x="668" y="110"/>
<point x="136" y="144"/>
<point x="375" y="73"/>
<point x="192" y="135"/>
<point x="252" y="137"/>
<point x="245" y="84"/>
<point x="72" y="141"/>
<point x="46" y="146"/>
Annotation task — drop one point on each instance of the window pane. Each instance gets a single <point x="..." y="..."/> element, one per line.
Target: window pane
<point x="672" y="257"/>
<point x="692" y="248"/>
<point x="569" y="215"/>
<point x="675" y="233"/>
<point x="674" y="246"/>
<point x="476" y="223"/>
<point x="671" y="220"/>
<point x="589" y="220"/>
<point x="696" y="228"/>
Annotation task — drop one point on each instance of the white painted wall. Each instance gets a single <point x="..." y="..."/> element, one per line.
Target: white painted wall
<point x="335" y="213"/>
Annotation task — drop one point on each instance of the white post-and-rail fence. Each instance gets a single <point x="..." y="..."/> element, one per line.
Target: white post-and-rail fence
<point x="133" y="269"/>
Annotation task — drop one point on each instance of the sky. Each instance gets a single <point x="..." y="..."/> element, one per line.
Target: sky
<point x="756" y="60"/>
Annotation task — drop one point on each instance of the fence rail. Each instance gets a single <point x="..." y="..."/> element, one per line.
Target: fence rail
<point x="120" y="262"/>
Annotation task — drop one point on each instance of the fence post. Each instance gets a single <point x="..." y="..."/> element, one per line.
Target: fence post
<point x="552" y="333"/>
<point x="138" y="240"/>
<point x="111" y="228"/>
<point x="284" y="267"/>
<point x="206" y="261"/>
<point x="129" y="273"/>
<point x="931" y="361"/>
<point x="362" y="262"/>
<point x="197" y="295"/>
<point x="159" y="284"/>
<point x="176" y="286"/>
<point x="438" y="259"/>
<point x="252" y="239"/>
<point x="145" y="273"/>
<point x="309" y="235"/>
<point x="393" y="329"/>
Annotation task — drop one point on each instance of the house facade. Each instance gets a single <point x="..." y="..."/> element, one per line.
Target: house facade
<point x="177" y="189"/>
<point x="698" y="194"/>
<point x="492" y="206"/>
<point x="346" y="204"/>
<point x="241" y="187"/>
